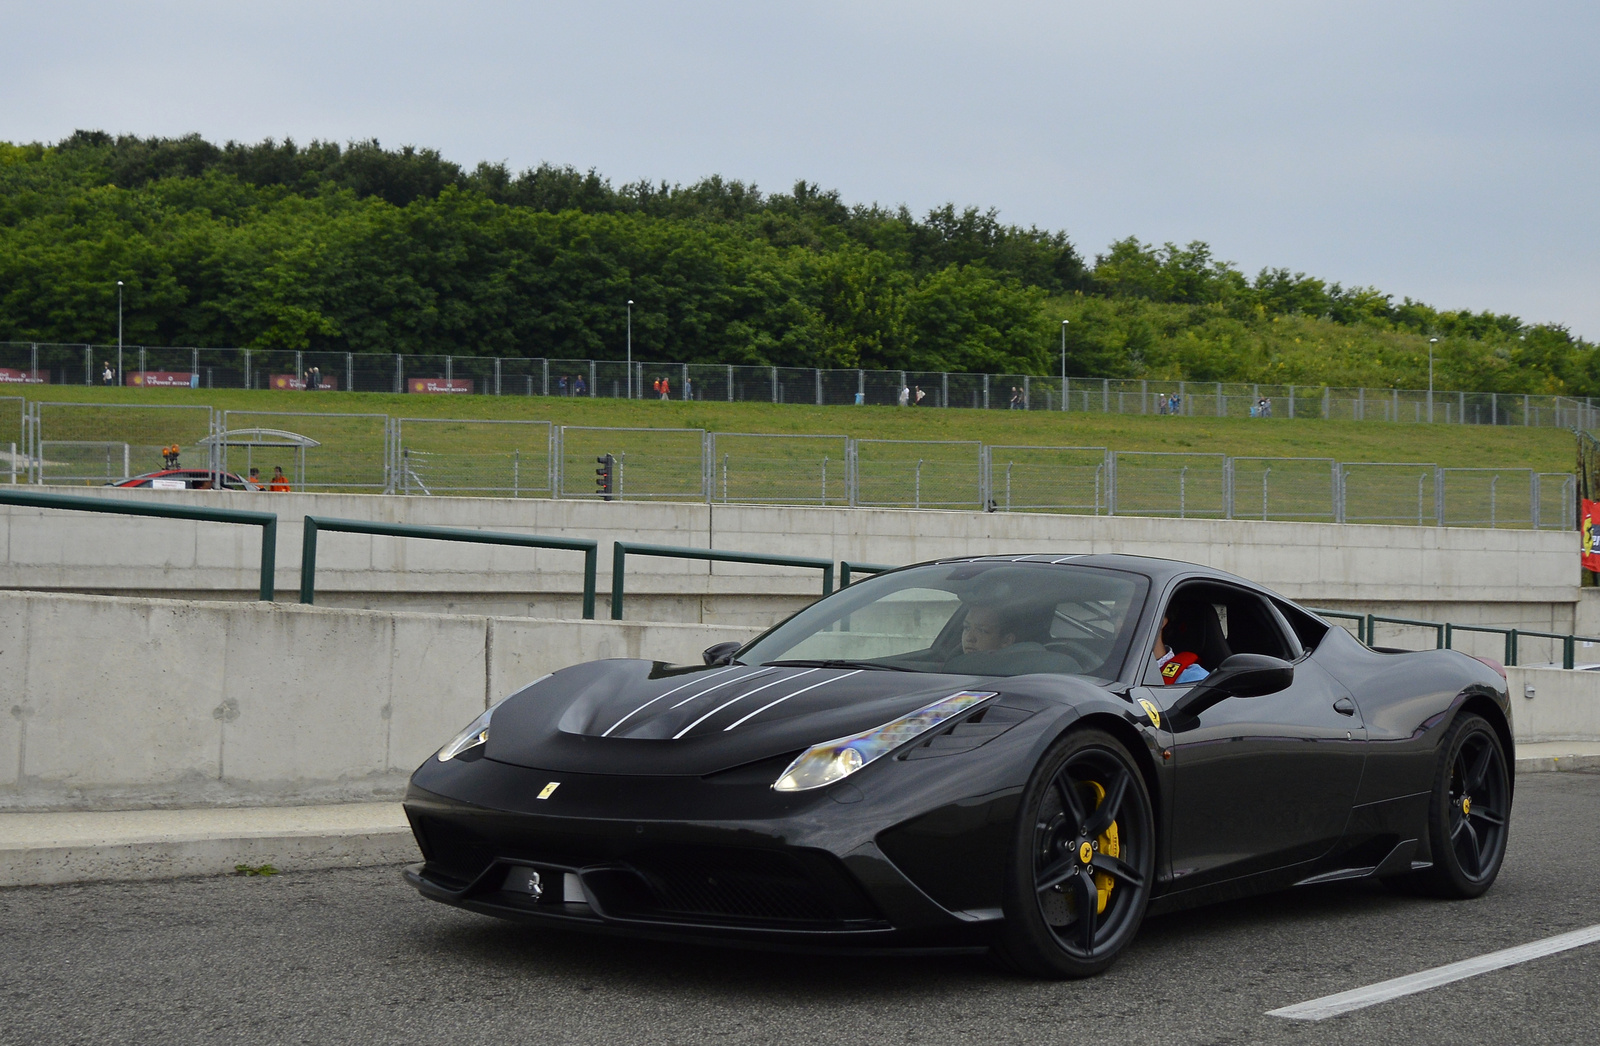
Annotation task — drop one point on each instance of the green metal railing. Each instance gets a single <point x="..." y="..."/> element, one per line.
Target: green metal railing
<point x="1509" y="657"/>
<point x="1445" y="633"/>
<point x="1437" y="626"/>
<point x="1359" y="619"/>
<point x="621" y="550"/>
<point x="308" y="547"/>
<point x="267" y="521"/>
<point x="847" y="569"/>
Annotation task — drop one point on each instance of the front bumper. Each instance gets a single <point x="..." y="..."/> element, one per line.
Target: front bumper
<point x="620" y="854"/>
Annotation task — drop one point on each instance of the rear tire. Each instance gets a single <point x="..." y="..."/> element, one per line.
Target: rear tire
<point x="1067" y="916"/>
<point x="1469" y="813"/>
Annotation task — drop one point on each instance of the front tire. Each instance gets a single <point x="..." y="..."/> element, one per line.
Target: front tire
<point x="1083" y="858"/>
<point x="1469" y="814"/>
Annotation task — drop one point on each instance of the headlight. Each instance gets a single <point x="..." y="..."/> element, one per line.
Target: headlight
<point x="468" y="739"/>
<point x="478" y="732"/>
<point x="836" y="760"/>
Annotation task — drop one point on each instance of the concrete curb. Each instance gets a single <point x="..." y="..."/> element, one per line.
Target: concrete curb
<point x="38" y="849"/>
<point x="1553" y="763"/>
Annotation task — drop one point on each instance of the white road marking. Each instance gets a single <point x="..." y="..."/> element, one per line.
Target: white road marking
<point x="786" y="697"/>
<point x="1383" y="991"/>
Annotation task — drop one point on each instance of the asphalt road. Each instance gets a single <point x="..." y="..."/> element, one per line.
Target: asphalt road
<point x="357" y="957"/>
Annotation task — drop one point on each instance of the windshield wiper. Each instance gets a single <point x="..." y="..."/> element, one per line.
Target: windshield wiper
<point x="839" y="663"/>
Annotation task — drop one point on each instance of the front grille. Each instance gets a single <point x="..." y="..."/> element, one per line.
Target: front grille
<point x="797" y="889"/>
<point x="733" y="886"/>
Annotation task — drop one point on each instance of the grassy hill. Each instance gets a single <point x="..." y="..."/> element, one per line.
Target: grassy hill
<point x="1450" y="446"/>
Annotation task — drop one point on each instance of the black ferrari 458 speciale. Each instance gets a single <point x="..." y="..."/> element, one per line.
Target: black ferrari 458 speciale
<point x="1025" y="754"/>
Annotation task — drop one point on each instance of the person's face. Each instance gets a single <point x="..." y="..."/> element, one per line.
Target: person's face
<point x="981" y="631"/>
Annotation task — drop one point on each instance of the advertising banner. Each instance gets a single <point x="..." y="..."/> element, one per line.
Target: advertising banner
<point x="24" y="377"/>
<point x="164" y="379"/>
<point x="439" y="384"/>
<point x="1590" y="522"/>
<point x="290" y="381"/>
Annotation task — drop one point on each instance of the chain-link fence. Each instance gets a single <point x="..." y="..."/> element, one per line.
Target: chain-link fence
<point x="1160" y="483"/>
<point x="1048" y="479"/>
<point x="1305" y="489"/>
<point x="352" y="451"/>
<point x="648" y="464"/>
<point x="102" y="443"/>
<point x="24" y="363"/>
<point x="1390" y="492"/>
<point x="772" y="469"/>
<point x="452" y="456"/>
<point x="917" y="473"/>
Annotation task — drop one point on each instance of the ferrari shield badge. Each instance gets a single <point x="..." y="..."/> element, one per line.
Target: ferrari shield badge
<point x="548" y="790"/>
<point x="1152" y="711"/>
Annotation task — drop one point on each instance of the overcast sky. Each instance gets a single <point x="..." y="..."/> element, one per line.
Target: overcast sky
<point x="1446" y="151"/>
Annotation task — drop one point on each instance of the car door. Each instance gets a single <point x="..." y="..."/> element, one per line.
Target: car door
<point x="1262" y="782"/>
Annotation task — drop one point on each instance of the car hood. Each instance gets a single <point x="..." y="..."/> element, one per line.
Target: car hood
<point x="651" y="718"/>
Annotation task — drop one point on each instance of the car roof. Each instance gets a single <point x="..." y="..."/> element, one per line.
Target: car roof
<point x="1153" y="567"/>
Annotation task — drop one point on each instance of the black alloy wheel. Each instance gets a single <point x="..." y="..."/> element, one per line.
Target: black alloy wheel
<point x="1469" y="814"/>
<point x="1082" y="860"/>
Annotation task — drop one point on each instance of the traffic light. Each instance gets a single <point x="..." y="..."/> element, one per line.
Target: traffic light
<point x="603" y="476"/>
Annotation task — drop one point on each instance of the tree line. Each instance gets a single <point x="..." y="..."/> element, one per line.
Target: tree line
<point x="362" y="248"/>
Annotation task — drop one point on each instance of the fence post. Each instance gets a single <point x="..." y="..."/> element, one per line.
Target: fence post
<point x="1111" y="483"/>
<point x="399" y="373"/>
<point x="1438" y="496"/>
<point x="497" y="375"/>
<point x="986" y="392"/>
<point x="775" y="384"/>
<point x="861" y="386"/>
<point x="816" y="371"/>
<point x="730" y="383"/>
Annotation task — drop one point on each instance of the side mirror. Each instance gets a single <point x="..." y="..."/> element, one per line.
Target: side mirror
<point x="1242" y="675"/>
<point x="721" y="653"/>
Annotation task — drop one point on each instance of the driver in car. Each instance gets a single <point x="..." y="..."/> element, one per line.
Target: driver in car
<point x="985" y="630"/>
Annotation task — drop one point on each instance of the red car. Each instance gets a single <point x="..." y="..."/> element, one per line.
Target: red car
<point x="188" y="479"/>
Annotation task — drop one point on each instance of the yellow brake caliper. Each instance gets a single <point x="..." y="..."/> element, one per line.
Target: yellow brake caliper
<point x="1108" y="846"/>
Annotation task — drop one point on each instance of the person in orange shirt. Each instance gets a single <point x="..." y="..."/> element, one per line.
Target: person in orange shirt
<point x="279" y="482"/>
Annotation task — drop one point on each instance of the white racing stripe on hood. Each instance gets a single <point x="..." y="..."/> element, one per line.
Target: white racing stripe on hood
<point x="786" y="697"/>
<point x="669" y="693"/>
<point x="735" y="700"/>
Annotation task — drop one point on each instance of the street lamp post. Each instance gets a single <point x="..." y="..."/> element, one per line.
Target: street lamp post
<point x="1064" y="364"/>
<point x="119" y="332"/>
<point x="1431" y="343"/>
<point x="630" y="348"/>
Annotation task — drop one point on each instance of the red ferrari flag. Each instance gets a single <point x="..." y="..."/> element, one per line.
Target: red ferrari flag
<point x="1590" y="520"/>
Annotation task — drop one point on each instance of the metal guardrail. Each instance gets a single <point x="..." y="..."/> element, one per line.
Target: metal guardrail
<point x="1445" y="632"/>
<point x="267" y="521"/>
<point x="1359" y="619"/>
<point x="847" y="568"/>
<point x="313" y="524"/>
<point x="1437" y="626"/>
<point x="621" y="550"/>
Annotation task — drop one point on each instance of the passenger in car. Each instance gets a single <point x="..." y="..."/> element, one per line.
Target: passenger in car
<point x="1176" y="666"/>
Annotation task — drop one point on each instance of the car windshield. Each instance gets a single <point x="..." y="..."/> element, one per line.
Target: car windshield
<point x="1002" y="618"/>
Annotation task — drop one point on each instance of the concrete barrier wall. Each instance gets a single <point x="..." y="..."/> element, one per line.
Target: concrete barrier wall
<point x="115" y="702"/>
<point x="109" y="702"/>
<point x="1521" y="578"/>
<point x="1554" y="705"/>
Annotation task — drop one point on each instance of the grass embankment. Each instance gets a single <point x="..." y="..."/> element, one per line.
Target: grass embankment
<point x="1451" y="446"/>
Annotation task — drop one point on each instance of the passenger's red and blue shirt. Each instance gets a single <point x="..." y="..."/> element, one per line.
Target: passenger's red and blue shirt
<point x="1180" y="667"/>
